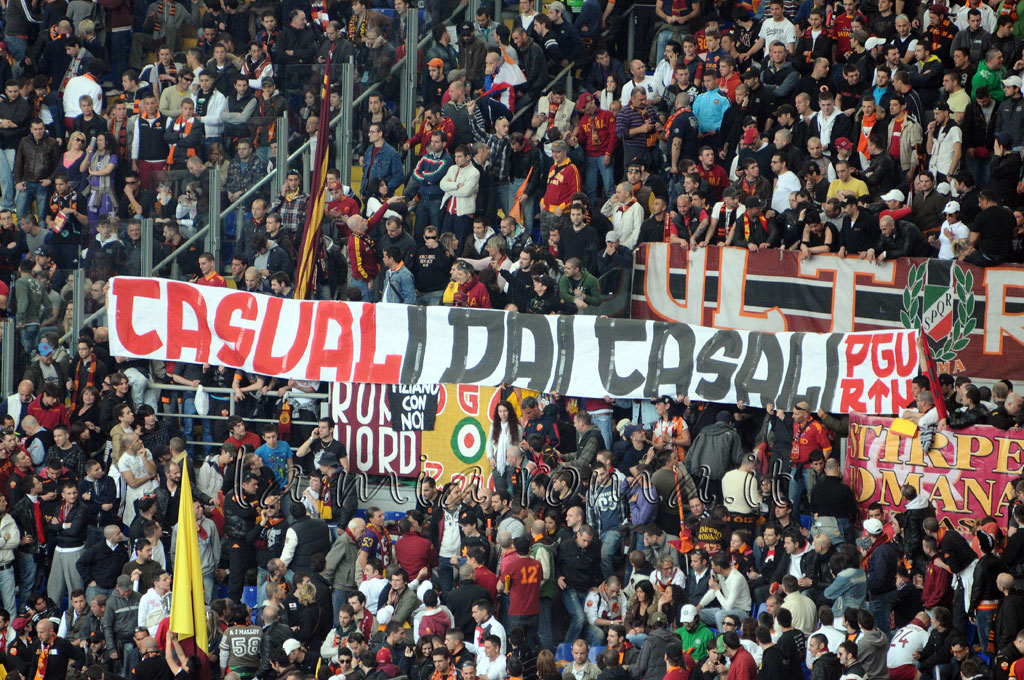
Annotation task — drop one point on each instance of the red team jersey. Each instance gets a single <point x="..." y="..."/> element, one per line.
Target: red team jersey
<point x="522" y="581"/>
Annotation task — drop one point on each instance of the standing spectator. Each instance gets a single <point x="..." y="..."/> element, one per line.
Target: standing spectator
<point x="460" y="185"/>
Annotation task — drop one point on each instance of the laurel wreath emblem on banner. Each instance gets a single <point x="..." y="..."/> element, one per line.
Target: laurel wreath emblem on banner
<point x="941" y="308"/>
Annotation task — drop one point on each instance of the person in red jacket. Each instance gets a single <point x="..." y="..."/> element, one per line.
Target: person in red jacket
<point x="563" y="182"/>
<point x="362" y="258"/>
<point x="468" y="291"/>
<point x="413" y="552"/>
<point x="49" y="410"/>
<point x="596" y="132"/>
<point x="433" y="120"/>
<point x="808" y="435"/>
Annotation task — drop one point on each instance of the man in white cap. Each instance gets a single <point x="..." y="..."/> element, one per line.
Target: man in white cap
<point x="881" y="559"/>
<point x="694" y="634"/>
<point x="1010" y="116"/>
<point x="952" y="230"/>
<point x="895" y="203"/>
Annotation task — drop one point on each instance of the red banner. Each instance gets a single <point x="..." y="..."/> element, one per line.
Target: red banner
<point x="969" y="315"/>
<point x="967" y="473"/>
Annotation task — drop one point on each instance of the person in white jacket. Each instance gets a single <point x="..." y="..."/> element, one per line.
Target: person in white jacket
<point x="727" y="589"/>
<point x="10" y="539"/>
<point x="210" y="105"/>
<point x="459" y="185"/>
<point x="625" y="213"/>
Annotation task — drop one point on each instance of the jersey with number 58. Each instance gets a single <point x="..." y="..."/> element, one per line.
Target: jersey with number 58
<point x="240" y="647"/>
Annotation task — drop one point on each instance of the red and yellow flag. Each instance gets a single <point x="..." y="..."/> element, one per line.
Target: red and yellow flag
<point x="309" y="253"/>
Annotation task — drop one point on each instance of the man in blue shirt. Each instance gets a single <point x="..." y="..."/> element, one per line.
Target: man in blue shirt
<point x="276" y="455"/>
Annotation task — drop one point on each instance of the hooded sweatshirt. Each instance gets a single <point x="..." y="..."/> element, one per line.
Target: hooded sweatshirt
<point x="872" y="647"/>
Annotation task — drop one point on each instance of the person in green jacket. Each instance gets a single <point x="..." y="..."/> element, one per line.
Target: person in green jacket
<point x="28" y="297"/>
<point x="990" y="74"/>
<point x="578" y="286"/>
<point x="694" y="634"/>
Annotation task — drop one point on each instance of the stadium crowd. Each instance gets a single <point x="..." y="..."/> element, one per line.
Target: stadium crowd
<point x="689" y="540"/>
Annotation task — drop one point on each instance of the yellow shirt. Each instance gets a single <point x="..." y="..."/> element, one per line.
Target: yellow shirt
<point x="857" y="186"/>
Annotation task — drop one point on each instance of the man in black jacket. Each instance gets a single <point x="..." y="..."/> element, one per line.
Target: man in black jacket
<point x="68" y="534"/>
<point x="240" y="516"/>
<point x="832" y="498"/>
<point x="774" y="662"/>
<point x="897" y="240"/>
<point x="579" y="564"/>
<point x="274" y="635"/>
<point x="460" y="601"/>
<point x="101" y="564"/>
<point x="59" y="652"/>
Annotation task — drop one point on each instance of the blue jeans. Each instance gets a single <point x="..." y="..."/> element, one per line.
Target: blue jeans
<point x="714" y="616"/>
<point x="609" y="546"/>
<point x="445" y="575"/>
<point x="36" y="191"/>
<point x="428" y="214"/>
<point x="363" y="287"/>
<point x="578" y="626"/>
<point x="26" y="577"/>
<point x="797" y="485"/>
<point x="8" y="589"/>
<point x="979" y="167"/>
<point x="460" y="225"/>
<point x="7" y="179"/>
<point x="30" y="336"/>
<point x="594" y="168"/>
<point x="544" y="634"/>
<point x="984" y="620"/>
<point x="880" y="607"/>
<point x="120" y="48"/>
<point x="527" y="623"/>
<point x="17" y="47"/>
<point x="604" y="423"/>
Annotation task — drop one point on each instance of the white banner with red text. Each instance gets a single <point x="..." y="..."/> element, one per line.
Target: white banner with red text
<point x="582" y="356"/>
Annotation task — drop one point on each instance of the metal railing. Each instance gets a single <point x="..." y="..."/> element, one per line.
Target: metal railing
<point x="228" y="392"/>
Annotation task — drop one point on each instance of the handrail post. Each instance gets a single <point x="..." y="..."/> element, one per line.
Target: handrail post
<point x="9" y="340"/>
<point x="281" y="163"/>
<point x="147" y="246"/>
<point x="497" y="10"/>
<point x="538" y="6"/>
<point x="630" y="36"/>
<point x="345" y="127"/>
<point x="471" y="7"/>
<point x="407" y="102"/>
<point x="77" y="302"/>
<point x="214" y="225"/>
<point x="568" y="84"/>
<point x="307" y="161"/>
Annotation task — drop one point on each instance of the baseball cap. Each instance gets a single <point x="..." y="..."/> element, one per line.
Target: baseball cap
<point x="860" y="36"/>
<point x="1012" y="81"/>
<point x="688" y="613"/>
<point x="560" y="7"/>
<point x="658" y="618"/>
<point x="749" y="120"/>
<point x="1005" y="138"/>
<point x="661" y="400"/>
<point x="749" y="136"/>
<point x="19" y="623"/>
<point x="465" y="29"/>
<point x="941" y="106"/>
<point x="894" y="195"/>
<point x="629" y="431"/>
<point x="752" y="72"/>
<point x="844" y="143"/>
<point x="951" y="207"/>
<point x="42" y="250"/>
<point x="290" y="645"/>
<point x="96" y="636"/>
<point x="383" y="655"/>
<point x="719" y="645"/>
<point x="873" y="526"/>
<point x="872" y="43"/>
<point x="124" y="581"/>
<point x="752" y="202"/>
<point x="584" y="99"/>
<point x="436" y="63"/>
<point x="334" y="185"/>
<point x="611" y="237"/>
<point x="941" y="10"/>
<point x="559" y="145"/>
<point x="45" y="349"/>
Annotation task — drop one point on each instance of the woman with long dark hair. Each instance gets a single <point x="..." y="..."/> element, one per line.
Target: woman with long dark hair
<point x="504" y="433"/>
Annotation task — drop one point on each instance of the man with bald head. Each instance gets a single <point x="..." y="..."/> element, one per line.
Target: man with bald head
<point x="18" y="403"/>
<point x="341" y="563"/>
<point x="153" y="664"/>
<point x="1010" y="614"/>
<point x="274" y="634"/>
<point x="56" y="653"/>
<point x="1008" y="415"/>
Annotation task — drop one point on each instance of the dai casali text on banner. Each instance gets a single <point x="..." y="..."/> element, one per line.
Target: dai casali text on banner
<point x="582" y="356"/>
<point x="967" y="473"/>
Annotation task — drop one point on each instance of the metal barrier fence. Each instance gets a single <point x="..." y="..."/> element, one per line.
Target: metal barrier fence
<point x="320" y="397"/>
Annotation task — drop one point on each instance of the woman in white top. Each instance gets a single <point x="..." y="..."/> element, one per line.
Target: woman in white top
<point x="952" y="230"/>
<point x="608" y="98"/>
<point x="138" y="469"/>
<point x="504" y="434"/>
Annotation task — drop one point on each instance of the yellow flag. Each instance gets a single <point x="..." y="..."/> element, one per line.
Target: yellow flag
<point x="188" y="606"/>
